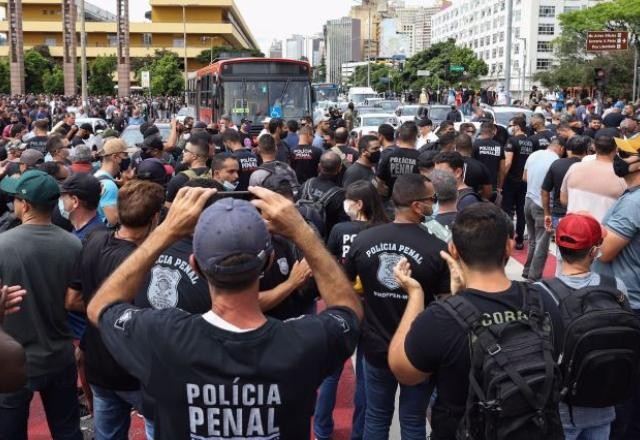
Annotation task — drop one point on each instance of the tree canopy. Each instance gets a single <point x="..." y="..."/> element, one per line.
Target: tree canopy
<point x="206" y="55"/>
<point x="100" y="78"/>
<point x="166" y="76"/>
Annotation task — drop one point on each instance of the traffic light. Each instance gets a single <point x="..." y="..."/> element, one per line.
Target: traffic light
<point x="600" y="76"/>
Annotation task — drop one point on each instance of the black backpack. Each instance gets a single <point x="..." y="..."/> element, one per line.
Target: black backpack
<point x="314" y="208"/>
<point x="600" y="358"/>
<point x="513" y="380"/>
<point x="279" y="171"/>
<point x="466" y="193"/>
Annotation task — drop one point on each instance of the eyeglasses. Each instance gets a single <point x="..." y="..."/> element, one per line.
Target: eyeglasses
<point x="433" y="198"/>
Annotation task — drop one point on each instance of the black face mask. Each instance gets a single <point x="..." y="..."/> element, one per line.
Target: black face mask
<point x="374" y="157"/>
<point x="124" y="165"/>
<point x="620" y="166"/>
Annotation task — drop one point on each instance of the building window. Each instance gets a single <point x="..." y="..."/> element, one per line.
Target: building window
<point x="178" y="42"/>
<point x="547" y="11"/>
<point x="493" y="53"/>
<point x="571" y="8"/>
<point x="516" y="49"/>
<point x="546" y="29"/>
<point x="146" y="40"/>
<point x="543" y="64"/>
<point x="501" y="37"/>
<point x="50" y="41"/>
<point x="500" y="51"/>
<point x="112" y="40"/>
<point x="545" y="46"/>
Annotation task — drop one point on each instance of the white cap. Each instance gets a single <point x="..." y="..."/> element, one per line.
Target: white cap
<point x="266" y="120"/>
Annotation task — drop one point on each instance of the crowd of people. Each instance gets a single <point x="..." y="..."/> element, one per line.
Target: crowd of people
<point x="217" y="282"/>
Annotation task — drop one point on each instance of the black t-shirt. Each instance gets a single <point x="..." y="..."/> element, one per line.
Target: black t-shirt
<point x="341" y="237"/>
<point x="172" y="282"/>
<point x="304" y="161"/>
<point x="490" y="153"/>
<point x="542" y="139"/>
<point x="300" y="302"/>
<point x="476" y="174"/>
<point x="521" y="147"/>
<point x="437" y="344"/>
<point x="373" y="255"/>
<point x="446" y="219"/>
<point x="396" y="163"/>
<point x="553" y="182"/>
<point x="38" y="143"/>
<point x="179" y="180"/>
<point x="334" y="210"/>
<point x="101" y="255"/>
<point x="77" y="140"/>
<point x="283" y="152"/>
<point x="613" y="119"/>
<point x="501" y="135"/>
<point x="248" y="164"/>
<point x="356" y="172"/>
<point x="208" y="382"/>
<point x="351" y="154"/>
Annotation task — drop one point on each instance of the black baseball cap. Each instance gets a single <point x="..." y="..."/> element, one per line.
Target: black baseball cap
<point x="86" y="127"/>
<point x="152" y="170"/>
<point x="84" y="186"/>
<point x="199" y="124"/>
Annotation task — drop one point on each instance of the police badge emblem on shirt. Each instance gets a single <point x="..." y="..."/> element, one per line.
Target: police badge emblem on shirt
<point x="163" y="288"/>
<point x="386" y="264"/>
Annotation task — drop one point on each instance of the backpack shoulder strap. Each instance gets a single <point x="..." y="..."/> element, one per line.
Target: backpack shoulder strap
<point x="104" y="177"/>
<point x="305" y="193"/>
<point x="557" y="288"/>
<point x="189" y="173"/>
<point x="466" y="314"/>
<point x="608" y="281"/>
<point x="324" y="200"/>
<point x="339" y="152"/>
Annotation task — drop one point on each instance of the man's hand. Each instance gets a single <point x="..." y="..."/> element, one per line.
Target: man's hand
<point x="279" y="213"/>
<point x="184" y="212"/>
<point x="300" y="273"/>
<point x="10" y="299"/>
<point x="457" y="277"/>
<point x="402" y="273"/>
<point x="547" y="223"/>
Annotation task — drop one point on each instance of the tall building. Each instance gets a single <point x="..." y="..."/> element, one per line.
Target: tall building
<point x="208" y="22"/>
<point x="342" y="39"/>
<point x="315" y="49"/>
<point x="480" y="26"/>
<point x="295" y="47"/>
<point x="275" y="51"/>
<point x="368" y="15"/>
<point x="417" y="22"/>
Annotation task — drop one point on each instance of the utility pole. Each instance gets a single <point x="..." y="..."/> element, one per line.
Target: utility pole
<point x="507" y="58"/>
<point x="83" y="58"/>
<point x="184" y="39"/>
<point x="636" y="48"/>
<point x="524" y="67"/>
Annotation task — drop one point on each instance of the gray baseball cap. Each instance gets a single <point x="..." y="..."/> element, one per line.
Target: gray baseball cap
<point x="231" y="227"/>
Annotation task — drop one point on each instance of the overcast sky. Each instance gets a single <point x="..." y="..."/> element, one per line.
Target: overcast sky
<point x="269" y="19"/>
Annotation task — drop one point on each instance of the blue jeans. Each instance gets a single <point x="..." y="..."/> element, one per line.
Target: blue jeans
<point x="323" y="416"/>
<point x="594" y="433"/>
<point x="60" y="400"/>
<point x="538" y="241"/>
<point x="112" y="412"/>
<point x="380" y="387"/>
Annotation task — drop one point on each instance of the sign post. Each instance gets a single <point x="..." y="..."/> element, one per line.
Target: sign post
<point x="145" y="79"/>
<point x="456" y="68"/>
<point x="605" y="41"/>
<point x="423" y="73"/>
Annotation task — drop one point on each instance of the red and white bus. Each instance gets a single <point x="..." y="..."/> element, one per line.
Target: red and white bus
<point x="252" y="88"/>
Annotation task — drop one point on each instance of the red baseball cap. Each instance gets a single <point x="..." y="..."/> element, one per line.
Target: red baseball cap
<point x="578" y="231"/>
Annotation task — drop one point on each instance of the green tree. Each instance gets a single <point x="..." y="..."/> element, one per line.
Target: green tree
<point x="53" y="81"/>
<point x="43" y="50"/>
<point x="100" y="78"/>
<point x="381" y="75"/>
<point x="575" y="65"/>
<point x="206" y="55"/>
<point x="5" y="81"/>
<point x="436" y="60"/>
<point x="320" y="71"/>
<point x="35" y="66"/>
<point x="166" y="76"/>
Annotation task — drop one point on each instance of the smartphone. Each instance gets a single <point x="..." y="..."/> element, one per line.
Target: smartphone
<point x="243" y="195"/>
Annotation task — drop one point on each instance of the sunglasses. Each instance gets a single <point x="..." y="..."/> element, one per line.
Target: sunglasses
<point x="433" y="198"/>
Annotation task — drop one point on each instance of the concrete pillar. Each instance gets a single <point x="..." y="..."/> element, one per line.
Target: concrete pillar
<point x="69" y="47"/>
<point x="16" y="47"/>
<point x="124" y="68"/>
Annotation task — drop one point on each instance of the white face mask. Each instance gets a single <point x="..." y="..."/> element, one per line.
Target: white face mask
<point x="63" y="212"/>
<point x="350" y="208"/>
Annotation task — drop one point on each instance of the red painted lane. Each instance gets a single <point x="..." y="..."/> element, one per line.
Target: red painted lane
<point x="549" y="268"/>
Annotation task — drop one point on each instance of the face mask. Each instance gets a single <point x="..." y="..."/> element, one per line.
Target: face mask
<point x="229" y="186"/>
<point x="63" y="212"/>
<point x="620" y="166"/>
<point x="374" y="157"/>
<point x="124" y="165"/>
<point x="350" y="209"/>
<point x="510" y="130"/>
<point x="186" y="136"/>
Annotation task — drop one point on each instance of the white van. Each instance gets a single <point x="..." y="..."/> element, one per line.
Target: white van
<point x="358" y="95"/>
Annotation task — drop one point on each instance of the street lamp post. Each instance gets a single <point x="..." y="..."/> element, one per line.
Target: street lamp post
<point x="524" y="67"/>
<point x="205" y="38"/>
<point x="369" y="49"/>
<point x="184" y="43"/>
<point x="507" y="60"/>
<point x="83" y="57"/>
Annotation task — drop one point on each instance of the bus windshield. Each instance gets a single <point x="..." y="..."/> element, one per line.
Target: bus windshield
<point x="326" y="93"/>
<point x="256" y="100"/>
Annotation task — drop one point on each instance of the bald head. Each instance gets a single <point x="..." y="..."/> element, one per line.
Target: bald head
<point x="330" y="163"/>
<point x="628" y="126"/>
<point x="341" y="136"/>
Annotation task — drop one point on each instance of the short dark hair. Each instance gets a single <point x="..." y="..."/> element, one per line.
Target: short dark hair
<point x="372" y="206"/>
<point x="480" y="234"/>
<point x="425" y="160"/>
<point x="54" y="143"/>
<point x="138" y="201"/>
<point x="16" y="129"/>
<point x="407" y="189"/>
<point x="408" y="132"/>
<point x="201" y="136"/>
<point x="447" y="139"/>
<point x="578" y="144"/>
<point x="452" y="158"/>
<point x="231" y="136"/>
<point x="467" y="125"/>
<point x="207" y="183"/>
<point x="293" y="125"/>
<point x="596" y="118"/>
<point x="330" y="163"/>
<point x="267" y="143"/>
<point x="217" y="162"/>
<point x="274" y="124"/>
<point x="364" y="141"/>
<point x="341" y="135"/>
<point x="487" y="127"/>
<point x="604" y="145"/>
<point x="464" y="143"/>
<point x="387" y="132"/>
<point x="520" y="122"/>
<point x="573" y="256"/>
<point x="201" y="146"/>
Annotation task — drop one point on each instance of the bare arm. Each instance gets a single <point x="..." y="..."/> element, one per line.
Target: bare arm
<point x="12" y="358"/>
<point x="612" y="246"/>
<point x="486" y="191"/>
<point x="283" y="217"/>
<point x="170" y="143"/>
<point x="564" y="198"/>
<point x="73" y="301"/>
<point x="508" y="161"/>
<point x="111" y="213"/>
<point x="546" y="205"/>
<point x="524" y="176"/>
<point x="299" y="275"/>
<point x="399" y="363"/>
<point x="502" y="172"/>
